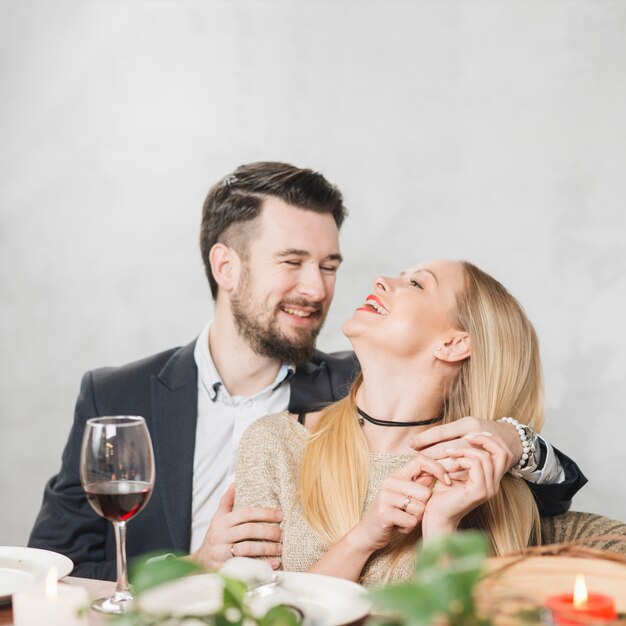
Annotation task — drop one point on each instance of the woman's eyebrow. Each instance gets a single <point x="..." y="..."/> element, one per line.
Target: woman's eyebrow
<point x="422" y="270"/>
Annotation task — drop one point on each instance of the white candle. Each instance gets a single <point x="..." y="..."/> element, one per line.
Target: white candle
<point x="51" y="604"/>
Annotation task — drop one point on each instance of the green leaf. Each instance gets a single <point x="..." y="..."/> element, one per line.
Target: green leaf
<point x="280" y="616"/>
<point x="439" y="554"/>
<point x="417" y="604"/>
<point x="146" y="572"/>
<point x="447" y="571"/>
<point x="234" y="592"/>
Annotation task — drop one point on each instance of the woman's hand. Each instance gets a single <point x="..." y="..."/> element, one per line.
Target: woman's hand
<point x="398" y="507"/>
<point x="400" y="504"/>
<point x="475" y="471"/>
<point x="434" y="441"/>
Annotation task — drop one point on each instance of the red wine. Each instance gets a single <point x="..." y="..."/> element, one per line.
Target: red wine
<point x="118" y="500"/>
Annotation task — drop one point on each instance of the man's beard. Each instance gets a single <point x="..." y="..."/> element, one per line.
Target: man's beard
<point x="267" y="339"/>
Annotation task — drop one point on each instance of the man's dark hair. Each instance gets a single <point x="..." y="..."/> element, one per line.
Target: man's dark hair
<point x="232" y="205"/>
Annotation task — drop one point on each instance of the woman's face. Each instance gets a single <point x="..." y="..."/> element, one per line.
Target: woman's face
<point x="409" y="314"/>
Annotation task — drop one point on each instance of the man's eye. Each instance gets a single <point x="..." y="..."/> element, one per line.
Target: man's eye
<point x="294" y="263"/>
<point x="416" y="284"/>
<point x="330" y="269"/>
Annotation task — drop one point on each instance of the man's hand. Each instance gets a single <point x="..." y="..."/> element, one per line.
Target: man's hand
<point x="436" y="440"/>
<point x="252" y="531"/>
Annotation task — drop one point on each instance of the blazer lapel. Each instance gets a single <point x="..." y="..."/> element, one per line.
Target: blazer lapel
<point x="310" y="387"/>
<point x="174" y="411"/>
<point x="324" y="379"/>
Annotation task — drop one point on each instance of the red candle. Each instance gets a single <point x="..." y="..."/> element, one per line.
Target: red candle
<point x="589" y="607"/>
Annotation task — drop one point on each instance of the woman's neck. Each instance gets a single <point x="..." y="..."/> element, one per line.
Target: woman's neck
<point x="401" y="396"/>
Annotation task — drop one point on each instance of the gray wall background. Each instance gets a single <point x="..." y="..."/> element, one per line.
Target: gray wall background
<point x="492" y="131"/>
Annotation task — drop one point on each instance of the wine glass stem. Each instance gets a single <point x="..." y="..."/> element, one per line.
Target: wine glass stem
<point x="120" y="548"/>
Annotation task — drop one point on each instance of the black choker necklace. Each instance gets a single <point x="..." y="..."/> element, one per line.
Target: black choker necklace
<point x="373" y="420"/>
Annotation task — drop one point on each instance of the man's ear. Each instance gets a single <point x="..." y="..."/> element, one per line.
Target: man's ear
<point x="457" y="348"/>
<point x="225" y="264"/>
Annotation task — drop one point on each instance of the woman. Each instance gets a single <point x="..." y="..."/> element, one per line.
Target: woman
<point x="441" y="341"/>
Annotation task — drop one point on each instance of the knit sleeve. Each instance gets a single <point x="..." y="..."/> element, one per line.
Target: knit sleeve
<point x="263" y="462"/>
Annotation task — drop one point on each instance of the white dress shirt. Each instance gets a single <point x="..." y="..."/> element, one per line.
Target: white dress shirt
<point x="222" y="420"/>
<point x="551" y="472"/>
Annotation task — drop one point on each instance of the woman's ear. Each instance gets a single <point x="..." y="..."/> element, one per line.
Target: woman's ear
<point x="457" y="348"/>
<point x="225" y="265"/>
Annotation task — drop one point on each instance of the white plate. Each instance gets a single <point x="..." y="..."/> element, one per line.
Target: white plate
<point x="322" y="599"/>
<point x="22" y="567"/>
<point x="326" y="599"/>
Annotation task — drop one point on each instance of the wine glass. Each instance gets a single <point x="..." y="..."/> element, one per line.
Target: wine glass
<point x="117" y="474"/>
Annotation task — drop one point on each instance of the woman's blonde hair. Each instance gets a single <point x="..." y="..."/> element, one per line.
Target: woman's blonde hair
<point x="502" y="377"/>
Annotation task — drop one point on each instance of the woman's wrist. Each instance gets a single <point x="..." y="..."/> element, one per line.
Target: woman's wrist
<point x="346" y="559"/>
<point x="358" y="542"/>
<point x="433" y="526"/>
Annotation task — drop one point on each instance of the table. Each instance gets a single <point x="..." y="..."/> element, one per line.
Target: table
<point x="95" y="588"/>
<point x="534" y="577"/>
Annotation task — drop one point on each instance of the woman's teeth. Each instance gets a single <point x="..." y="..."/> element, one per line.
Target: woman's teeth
<point x="377" y="307"/>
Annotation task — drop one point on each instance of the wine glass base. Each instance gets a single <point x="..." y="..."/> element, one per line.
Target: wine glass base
<point x="114" y="605"/>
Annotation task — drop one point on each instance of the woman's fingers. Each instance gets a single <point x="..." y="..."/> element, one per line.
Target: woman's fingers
<point x="404" y="495"/>
<point x="416" y="508"/>
<point x="437" y="435"/>
<point x="477" y="463"/>
<point x="496" y="463"/>
<point x="397" y="487"/>
<point x="459" y="475"/>
<point x="498" y="450"/>
<point x="422" y="464"/>
<point x="394" y="512"/>
<point x="401" y="501"/>
<point x="404" y="513"/>
<point x="434" y="441"/>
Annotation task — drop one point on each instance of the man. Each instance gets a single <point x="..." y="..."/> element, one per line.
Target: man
<point x="270" y="244"/>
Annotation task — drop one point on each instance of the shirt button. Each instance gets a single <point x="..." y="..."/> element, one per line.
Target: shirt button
<point x="249" y="404"/>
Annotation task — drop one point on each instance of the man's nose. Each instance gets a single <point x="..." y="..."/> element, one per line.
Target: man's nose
<point x="312" y="284"/>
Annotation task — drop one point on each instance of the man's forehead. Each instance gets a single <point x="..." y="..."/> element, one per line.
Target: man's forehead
<point x="276" y="210"/>
<point x="284" y="226"/>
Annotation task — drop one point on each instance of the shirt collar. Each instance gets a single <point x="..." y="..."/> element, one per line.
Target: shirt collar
<point x="210" y="377"/>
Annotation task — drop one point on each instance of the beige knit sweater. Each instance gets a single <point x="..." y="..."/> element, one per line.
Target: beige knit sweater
<point x="268" y="465"/>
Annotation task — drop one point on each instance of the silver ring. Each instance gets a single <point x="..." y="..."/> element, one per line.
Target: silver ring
<point x="232" y="550"/>
<point x="406" y="503"/>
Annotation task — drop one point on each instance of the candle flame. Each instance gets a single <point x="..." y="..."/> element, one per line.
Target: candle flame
<point x="52" y="590"/>
<point x="580" y="592"/>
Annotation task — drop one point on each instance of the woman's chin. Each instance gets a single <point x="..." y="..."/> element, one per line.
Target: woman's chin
<point x="351" y="328"/>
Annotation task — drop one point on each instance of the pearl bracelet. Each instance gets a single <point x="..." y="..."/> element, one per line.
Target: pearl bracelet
<point x="528" y="443"/>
